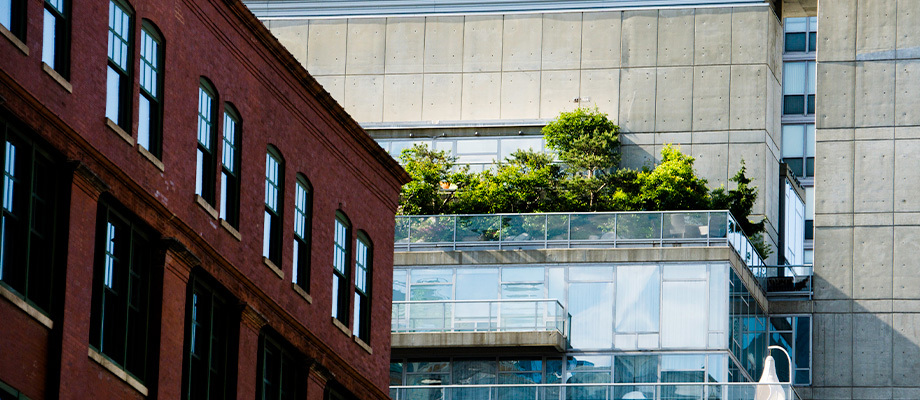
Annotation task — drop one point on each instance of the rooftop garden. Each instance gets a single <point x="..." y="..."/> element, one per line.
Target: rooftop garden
<point x="586" y="178"/>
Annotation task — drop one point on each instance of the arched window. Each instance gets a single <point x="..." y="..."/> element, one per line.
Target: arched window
<point x="341" y="265"/>
<point x="118" y="78"/>
<point x="150" y="99"/>
<point x="207" y="135"/>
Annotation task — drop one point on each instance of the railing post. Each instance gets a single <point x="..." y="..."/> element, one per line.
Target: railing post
<point x="409" y="235"/>
<point x="455" y="232"/>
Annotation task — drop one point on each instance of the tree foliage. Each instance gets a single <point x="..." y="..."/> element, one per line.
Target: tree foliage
<point x="586" y="180"/>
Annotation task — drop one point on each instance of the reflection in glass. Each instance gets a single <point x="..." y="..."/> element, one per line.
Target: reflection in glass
<point x="637" y="298"/>
<point x="591" y="306"/>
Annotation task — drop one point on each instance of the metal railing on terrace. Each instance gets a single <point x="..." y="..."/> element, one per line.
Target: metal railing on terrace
<point x="792" y="282"/>
<point x="575" y="230"/>
<point x="593" y="391"/>
<point x="510" y="315"/>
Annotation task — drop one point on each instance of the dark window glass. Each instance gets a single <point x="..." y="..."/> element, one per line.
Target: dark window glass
<point x="150" y="110"/>
<point x="341" y="264"/>
<point x="29" y="195"/>
<point x="812" y="41"/>
<point x="56" y="36"/>
<point x="121" y="290"/>
<point x="795" y="42"/>
<point x="13" y="17"/>
<point x="809" y="229"/>
<point x="274" y="193"/>
<point x="363" y="273"/>
<point x="794" y="104"/>
<point x="230" y="168"/>
<point x="207" y="135"/>
<point x="303" y="211"/>
<point x="280" y="374"/>
<point x="811" y="104"/>
<point x="810" y="166"/>
<point x="796" y="165"/>
<point x="210" y="354"/>
<point x="118" y="78"/>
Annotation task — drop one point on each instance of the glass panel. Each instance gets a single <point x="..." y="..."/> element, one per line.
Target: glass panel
<point x="113" y="87"/>
<point x="430" y="292"/>
<point x="477" y="146"/>
<point x="794" y="104"/>
<point x="6" y="15"/>
<point x="604" y="274"/>
<point x="717" y="368"/>
<point x="432" y="275"/>
<point x="809" y="140"/>
<point x="812" y="41"/>
<point x="794" y="140"/>
<point x="523" y="227"/>
<point x="402" y="230"/>
<point x="802" y="342"/>
<point x="683" y="315"/>
<point x="511" y="145"/>
<point x="795" y="24"/>
<point x="810" y="70"/>
<point x="477" y="228"/>
<point x="477" y="284"/>
<point x="48" y="30"/>
<point x="795" y="42"/>
<point x="149" y="64"/>
<point x="591" y="305"/>
<point x="685" y="225"/>
<point x="556" y="284"/>
<point x="522" y="274"/>
<point x="794" y="77"/>
<point x="639" y="226"/>
<point x="638" y="290"/>
<point x="399" y="285"/>
<point x="635" y="369"/>
<point x="432" y="229"/>
<point x="684" y="272"/>
<point x="718" y="298"/>
<point x="557" y="227"/>
<point x="593" y="227"/>
<point x="143" y="122"/>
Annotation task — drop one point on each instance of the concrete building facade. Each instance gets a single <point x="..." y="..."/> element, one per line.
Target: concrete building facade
<point x="706" y="78"/>
<point x="140" y="259"/>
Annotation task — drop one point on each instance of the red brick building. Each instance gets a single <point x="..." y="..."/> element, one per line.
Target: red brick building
<point x="184" y="211"/>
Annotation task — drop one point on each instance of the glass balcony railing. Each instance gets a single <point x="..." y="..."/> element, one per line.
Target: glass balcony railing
<point x="518" y="315"/>
<point x="592" y="391"/>
<point x="575" y="230"/>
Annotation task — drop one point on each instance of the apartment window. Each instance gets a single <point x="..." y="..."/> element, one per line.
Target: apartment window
<point x="274" y="193"/>
<point x="210" y="355"/>
<point x="799" y="88"/>
<point x="799" y="149"/>
<point x="363" y="275"/>
<point x="801" y="34"/>
<point x="793" y="333"/>
<point x="340" y="270"/>
<point x="121" y="290"/>
<point x="28" y="226"/>
<point x="118" y="78"/>
<point x="809" y="216"/>
<point x="230" y="168"/>
<point x="280" y="375"/>
<point x="56" y="36"/>
<point x="150" y="110"/>
<point x="13" y="17"/>
<point x="303" y="206"/>
<point x="207" y="135"/>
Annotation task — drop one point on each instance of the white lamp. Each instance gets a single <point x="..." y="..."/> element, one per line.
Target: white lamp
<point x="769" y="388"/>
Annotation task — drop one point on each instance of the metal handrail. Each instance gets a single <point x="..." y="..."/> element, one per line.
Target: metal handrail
<point x="730" y="389"/>
<point x="555" y="313"/>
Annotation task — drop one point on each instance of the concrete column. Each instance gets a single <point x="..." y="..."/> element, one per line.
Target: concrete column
<point x="177" y="265"/>
<point x="73" y="324"/>
<point x="251" y="323"/>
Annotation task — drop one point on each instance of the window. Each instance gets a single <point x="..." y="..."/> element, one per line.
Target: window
<point x="27" y="229"/>
<point x="13" y="17"/>
<point x="801" y="34"/>
<point x="209" y="348"/>
<point x="56" y="36"/>
<point x="793" y="334"/>
<point x="340" y="268"/>
<point x="274" y="193"/>
<point x="280" y="376"/>
<point x="118" y="78"/>
<point x="303" y="206"/>
<point x="799" y="149"/>
<point x="230" y="168"/>
<point x="363" y="276"/>
<point x="207" y="132"/>
<point x="150" y="109"/>
<point x="799" y="88"/>
<point x="121" y="287"/>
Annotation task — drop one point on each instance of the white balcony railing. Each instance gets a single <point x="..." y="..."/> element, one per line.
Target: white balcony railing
<point x="510" y="315"/>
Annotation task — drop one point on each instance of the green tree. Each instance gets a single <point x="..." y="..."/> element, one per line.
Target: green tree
<point x="672" y="184"/>
<point x="428" y="168"/>
<point x="740" y="201"/>
<point x="585" y="140"/>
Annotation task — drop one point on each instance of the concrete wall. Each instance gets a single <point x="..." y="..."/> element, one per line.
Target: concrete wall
<point x="867" y="212"/>
<point x="708" y="79"/>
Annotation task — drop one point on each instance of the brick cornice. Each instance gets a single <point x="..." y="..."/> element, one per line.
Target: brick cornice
<point x="251" y="317"/>
<point x="87" y="180"/>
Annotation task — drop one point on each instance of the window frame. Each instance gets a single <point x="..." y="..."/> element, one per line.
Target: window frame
<point x="206" y="161"/>
<point x="125" y="74"/>
<point x="363" y="300"/>
<point x="45" y="271"/>
<point x="808" y="92"/>
<point x="154" y="120"/>
<point x="341" y="268"/>
<point x="60" y="61"/>
<point x="286" y="353"/>
<point x="805" y="162"/>
<point x="303" y="221"/>
<point x="274" y="215"/>
<point x="18" y="21"/>
<point x="204" y="285"/>
<point x="140" y="239"/>
<point x="230" y="174"/>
